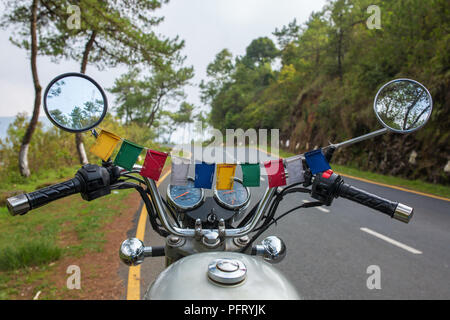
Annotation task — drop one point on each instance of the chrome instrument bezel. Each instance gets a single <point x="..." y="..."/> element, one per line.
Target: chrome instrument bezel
<point x="180" y="208"/>
<point x="225" y="205"/>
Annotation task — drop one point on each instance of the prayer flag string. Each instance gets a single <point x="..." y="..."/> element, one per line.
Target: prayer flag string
<point x="154" y="162"/>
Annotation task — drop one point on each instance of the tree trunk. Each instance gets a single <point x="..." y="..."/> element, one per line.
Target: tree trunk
<point x="80" y="148"/>
<point x="78" y="137"/>
<point x="23" y="153"/>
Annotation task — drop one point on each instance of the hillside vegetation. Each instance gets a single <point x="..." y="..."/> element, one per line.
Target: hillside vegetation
<point x="318" y="82"/>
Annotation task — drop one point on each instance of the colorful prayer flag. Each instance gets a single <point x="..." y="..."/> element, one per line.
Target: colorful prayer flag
<point x="275" y="173"/>
<point x="316" y="161"/>
<point x="105" y="144"/>
<point x="127" y="155"/>
<point x="204" y="175"/>
<point x="251" y="174"/>
<point x="153" y="164"/>
<point x="294" y="167"/>
<point x="225" y="176"/>
<point x="180" y="171"/>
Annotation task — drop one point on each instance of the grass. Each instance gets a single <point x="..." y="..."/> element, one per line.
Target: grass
<point x="28" y="254"/>
<point x="69" y="227"/>
<point x="38" y="180"/>
<point x="415" y="185"/>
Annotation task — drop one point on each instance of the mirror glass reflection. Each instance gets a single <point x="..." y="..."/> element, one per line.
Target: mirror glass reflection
<point x="403" y="105"/>
<point x="75" y="103"/>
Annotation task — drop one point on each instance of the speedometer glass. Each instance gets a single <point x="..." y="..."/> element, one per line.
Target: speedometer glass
<point x="233" y="199"/>
<point x="185" y="197"/>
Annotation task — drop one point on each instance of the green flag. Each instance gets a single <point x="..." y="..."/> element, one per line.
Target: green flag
<point x="251" y="174"/>
<point x="128" y="154"/>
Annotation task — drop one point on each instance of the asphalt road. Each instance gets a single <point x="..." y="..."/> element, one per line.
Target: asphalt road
<point x="329" y="249"/>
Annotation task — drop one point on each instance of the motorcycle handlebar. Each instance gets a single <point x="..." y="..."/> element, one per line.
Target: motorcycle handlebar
<point x="330" y="185"/>
<point x="23" y="203"/>
<point x="395" y="210"/>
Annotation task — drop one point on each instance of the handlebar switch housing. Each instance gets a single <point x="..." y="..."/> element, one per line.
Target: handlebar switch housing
<point x="97" y="181"/>
<point x="325" y="187"/>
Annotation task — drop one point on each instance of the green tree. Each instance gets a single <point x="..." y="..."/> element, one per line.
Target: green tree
<point x="331" y="69"/>
<point x="141" y="98"/>
<point x="113" y="33"/>
<point x="219" y="73"/>
<point x="261" y="51"/>
<point x="287" y="34"/>
<point x="32" y="30"/>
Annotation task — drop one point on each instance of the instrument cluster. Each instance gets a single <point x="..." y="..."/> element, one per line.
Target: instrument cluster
<point x="186" y="199"/>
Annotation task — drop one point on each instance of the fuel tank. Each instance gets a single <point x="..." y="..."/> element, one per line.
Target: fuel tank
<point x="221" y="276"/>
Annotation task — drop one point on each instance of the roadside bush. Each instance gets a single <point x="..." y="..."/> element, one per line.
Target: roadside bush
<point x="28" y="254"/>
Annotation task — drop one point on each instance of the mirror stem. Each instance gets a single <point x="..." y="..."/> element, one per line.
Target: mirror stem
<point x="360" y="138"/>
<point x="94" y="133"/>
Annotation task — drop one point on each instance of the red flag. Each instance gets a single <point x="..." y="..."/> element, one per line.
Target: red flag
<point x="153" y="164"/>
<point x="275" y="173"/>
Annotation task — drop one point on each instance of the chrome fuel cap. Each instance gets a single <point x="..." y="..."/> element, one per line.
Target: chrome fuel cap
<point x="227" y="271"/>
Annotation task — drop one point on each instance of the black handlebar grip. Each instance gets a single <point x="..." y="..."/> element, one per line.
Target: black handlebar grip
<point x="23" y="203"/>
<point x="393" y="209"/>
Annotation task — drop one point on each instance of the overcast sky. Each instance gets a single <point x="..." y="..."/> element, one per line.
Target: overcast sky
<point x="207" y="26"/>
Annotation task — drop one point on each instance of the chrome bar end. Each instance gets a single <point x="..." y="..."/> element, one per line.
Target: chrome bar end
<point x="18" y="205"/>
<point x="403" y="213"/>
<point x="132" y="252"/>
<point x="272" y="249"/>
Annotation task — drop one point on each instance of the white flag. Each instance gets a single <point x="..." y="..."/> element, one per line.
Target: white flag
<point x="294" y="166"/>
<point x="180" y="171"/>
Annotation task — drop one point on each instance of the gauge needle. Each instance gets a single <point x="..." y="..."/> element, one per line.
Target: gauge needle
<point x="182" y="194"/>
<point x="228" y="192"/>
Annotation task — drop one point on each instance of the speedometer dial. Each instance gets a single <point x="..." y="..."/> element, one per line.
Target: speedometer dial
<point x="185" y="197"/>
<point x="234" y="199"/>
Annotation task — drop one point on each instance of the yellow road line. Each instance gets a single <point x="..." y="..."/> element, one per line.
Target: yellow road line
<point x="134" y="273"/>
<point x="382" y="184"/>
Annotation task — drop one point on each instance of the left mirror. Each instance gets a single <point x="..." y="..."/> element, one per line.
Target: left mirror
<point x="75" y="102"/>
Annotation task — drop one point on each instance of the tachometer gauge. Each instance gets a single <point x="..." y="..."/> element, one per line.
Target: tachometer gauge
<point x="185" y="197"/>
<point x="235" y="199"/>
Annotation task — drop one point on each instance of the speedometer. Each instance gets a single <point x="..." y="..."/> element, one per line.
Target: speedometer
<point x="185" y="197"/>
<point x="235" y="199"/>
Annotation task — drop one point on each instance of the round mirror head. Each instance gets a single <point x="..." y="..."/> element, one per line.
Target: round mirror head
<point x="403" y="105"/>
<point x="74" y="102"/>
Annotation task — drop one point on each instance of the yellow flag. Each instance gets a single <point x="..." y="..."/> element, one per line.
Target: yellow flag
<point x="105" y="144"/>
<point x="225" y="176"/>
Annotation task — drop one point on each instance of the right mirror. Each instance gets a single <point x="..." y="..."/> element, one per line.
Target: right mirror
<point x="403" y="105"/>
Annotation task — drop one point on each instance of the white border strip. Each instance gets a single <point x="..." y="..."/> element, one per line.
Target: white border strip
<point x="391" y="241"/>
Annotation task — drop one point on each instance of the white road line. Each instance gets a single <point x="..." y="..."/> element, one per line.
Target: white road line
<point x="391" y="241"/>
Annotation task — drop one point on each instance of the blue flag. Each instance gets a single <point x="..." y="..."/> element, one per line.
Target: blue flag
<point x="316" y="161"/>
<point x="204" y="175"/>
